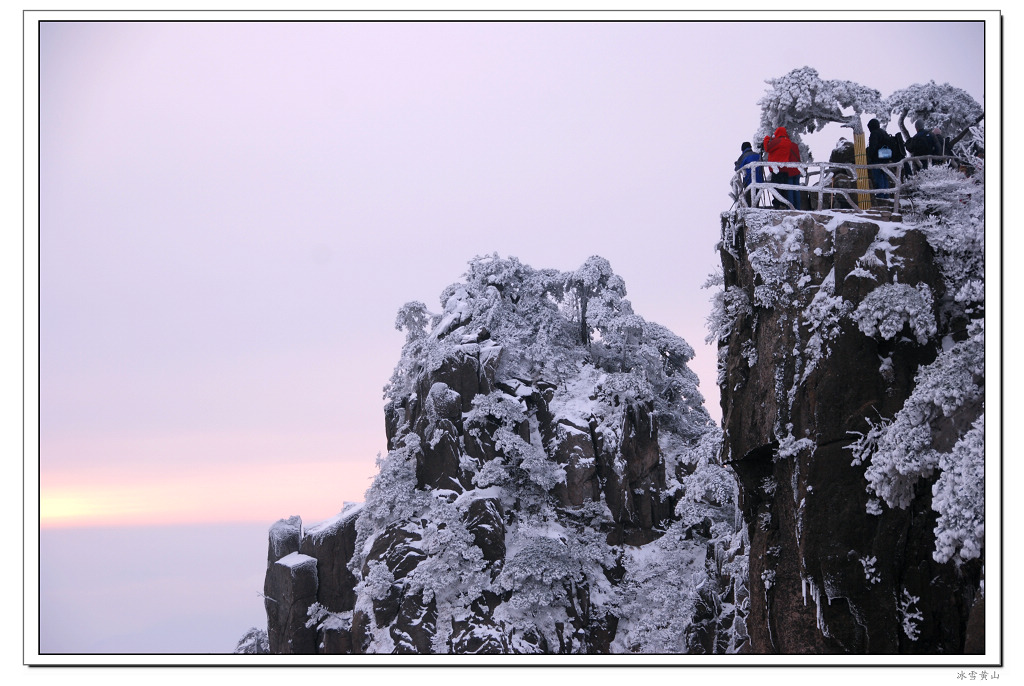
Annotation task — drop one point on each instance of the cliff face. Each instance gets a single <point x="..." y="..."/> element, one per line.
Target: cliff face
<point x="829" y="327"/>
<point x="552" y="485"/>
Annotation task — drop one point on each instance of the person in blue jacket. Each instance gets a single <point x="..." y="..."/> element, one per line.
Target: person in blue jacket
<point x="747" y="155"/>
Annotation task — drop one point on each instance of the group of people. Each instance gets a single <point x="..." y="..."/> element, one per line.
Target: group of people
<point x="777" y="148"/>
<point x="882" y="148"/>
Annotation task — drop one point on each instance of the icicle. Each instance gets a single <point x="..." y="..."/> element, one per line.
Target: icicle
<point x="819" y="615"/>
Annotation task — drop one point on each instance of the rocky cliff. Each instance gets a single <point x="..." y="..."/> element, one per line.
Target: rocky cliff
<point x="851" y="368"/>
<point x="552" y="485"/>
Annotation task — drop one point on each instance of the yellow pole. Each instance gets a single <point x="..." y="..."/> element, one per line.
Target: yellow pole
<point x="860" y="152"/>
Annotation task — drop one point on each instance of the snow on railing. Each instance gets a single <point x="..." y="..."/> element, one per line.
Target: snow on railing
<point x="828" y="175"/>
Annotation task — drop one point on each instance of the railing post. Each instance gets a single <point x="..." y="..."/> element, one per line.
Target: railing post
<point x="821" y="188"/>
<point x="899" y="185"/>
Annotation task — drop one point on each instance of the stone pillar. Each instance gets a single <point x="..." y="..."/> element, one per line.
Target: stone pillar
<point x="289" y="590"/>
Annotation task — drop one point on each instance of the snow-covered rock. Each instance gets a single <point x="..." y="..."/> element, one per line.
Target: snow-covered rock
<point x="539" y="436"/>
<point x="284" y="538"/>
<point x="840" y="336"/>
<point x="289" y="590"/>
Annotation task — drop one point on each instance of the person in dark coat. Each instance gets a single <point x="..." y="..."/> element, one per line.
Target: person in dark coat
<point x="779" y="148"/>
<point x="877" y="140"/>
<point x="943" y="143"/>
<point x="922" y="144"/>
<point x="747" y="155"/>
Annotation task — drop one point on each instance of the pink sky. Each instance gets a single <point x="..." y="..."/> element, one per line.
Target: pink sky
<point x="232" y="213"/>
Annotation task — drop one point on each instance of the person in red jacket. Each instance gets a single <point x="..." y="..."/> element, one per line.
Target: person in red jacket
<point x="778" y="148"/>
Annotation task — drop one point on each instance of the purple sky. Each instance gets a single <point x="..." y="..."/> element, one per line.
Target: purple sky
<point x="232" y="213"/>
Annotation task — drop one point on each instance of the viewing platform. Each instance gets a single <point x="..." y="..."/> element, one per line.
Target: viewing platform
<point x="831" y="186"/>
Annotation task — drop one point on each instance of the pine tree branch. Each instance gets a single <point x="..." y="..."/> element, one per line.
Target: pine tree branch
<point x="964" y="132"/>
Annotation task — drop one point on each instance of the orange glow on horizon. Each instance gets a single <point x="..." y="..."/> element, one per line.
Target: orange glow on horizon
<point x="62" y="507"/>
<point x="208" y="494"/>
<point x="127" y="479"/>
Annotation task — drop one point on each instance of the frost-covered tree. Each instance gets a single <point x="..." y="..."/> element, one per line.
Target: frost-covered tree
<point x="659" y="594"/>
<point x="412" y="318"/>
<point x="525" y="469"/>
<point x="803" y="102"/>
<point x="595" y="287"/>
<point x="666" y="582"/>
<point x="950" y="207"/>
<point x="938" y="434"/>
<point x="947" y="107"/>
<point x="889" y="308"/>
<point x="550" y="322"/>
<point x="392" y="496"/>
<point x="959" y="497"/>
<point x="727" y="305"/>
<point x="254" y="642"/>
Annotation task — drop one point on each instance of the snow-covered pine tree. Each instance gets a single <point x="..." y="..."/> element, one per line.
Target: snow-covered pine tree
<point x="803" y="102"/>
<point x="947" y="107"/>
<point x="253" y="642"/>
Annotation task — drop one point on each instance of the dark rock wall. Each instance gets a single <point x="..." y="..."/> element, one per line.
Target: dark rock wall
<point x="332" y="544"/>
<point x="307" y="567"/>
<point x="825" y="575"/>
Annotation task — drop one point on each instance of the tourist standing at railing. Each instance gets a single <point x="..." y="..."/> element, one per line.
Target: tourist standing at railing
<point x="878" y="145"/>
<point x="747" y="156"/>
<point x="780" y="149"/>
<point x="942" y="142"/>
<point x="922" y="144"/>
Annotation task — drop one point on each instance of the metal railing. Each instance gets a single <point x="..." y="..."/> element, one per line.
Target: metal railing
<point x="830" y="179"/>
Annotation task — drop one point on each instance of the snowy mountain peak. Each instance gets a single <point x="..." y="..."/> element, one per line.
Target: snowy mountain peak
<point x="542" y="440"/>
